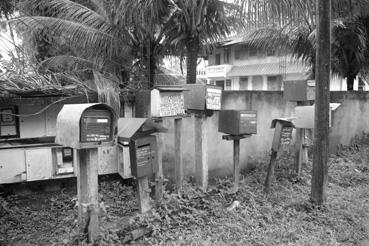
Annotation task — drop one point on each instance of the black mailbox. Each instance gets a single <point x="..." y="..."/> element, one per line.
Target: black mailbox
<point x="202" y="97"/>
<point x="143" y="153"/>
<point x="142" y="146"/>
<point x="238" y="122"/>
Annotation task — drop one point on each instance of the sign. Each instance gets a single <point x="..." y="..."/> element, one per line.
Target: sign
<point x="171" y="104"/>
<point x="286" y="136"/>
<point x="143" y="155"/>
<point x="213" y="98"/>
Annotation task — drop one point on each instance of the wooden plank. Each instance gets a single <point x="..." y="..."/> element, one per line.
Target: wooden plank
<point x="277" y="136"/>
<point x="201" y="152"/>
<point x="236" y="164"/>
<point x="87" y="188"/>
<point x="143" y="194"/>
<point x="178" y="162"/>
<point x="159" y="176"/>
<point x="235" y="137"/>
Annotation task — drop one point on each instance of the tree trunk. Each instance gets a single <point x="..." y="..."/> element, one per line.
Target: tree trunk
<point x="151" y="72"/>
<point x="350" y="83"/>
<point x="192" y="52"/>
<point x="320" y="167"/>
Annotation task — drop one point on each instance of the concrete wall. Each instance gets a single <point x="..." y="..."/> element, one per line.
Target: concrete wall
<point x="349" y="120"/>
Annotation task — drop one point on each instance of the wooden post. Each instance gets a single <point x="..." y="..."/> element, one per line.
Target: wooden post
<point x="236" y="163"/>
<point x="322" y="78"/>
<point x="159" y="176"/>
<point x="201" y="151"/>
<point x="143" y="194"/>
<point x="299" y="149"/>
<point x="178" y="162"/>
<point x="87" y="188"/>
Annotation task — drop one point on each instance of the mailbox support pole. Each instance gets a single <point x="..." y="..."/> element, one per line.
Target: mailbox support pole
<point x="236" y="158"/>
<point x="143" y="194"/>
<point x="201" y="152"/>
<point x="87" y="188"/>
<point x="178" y="166"/>
<point x="159" y="176"/>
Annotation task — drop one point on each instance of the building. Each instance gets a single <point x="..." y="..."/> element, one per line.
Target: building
<point x="235" y="65"/>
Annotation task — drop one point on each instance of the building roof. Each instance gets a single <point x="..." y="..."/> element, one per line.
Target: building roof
<point x="266" y="69"/>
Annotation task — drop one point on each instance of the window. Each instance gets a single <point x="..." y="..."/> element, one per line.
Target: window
<point x="257" y="83"/>
<point x="217" y="59"/>
<point x="220" y="83"/>
<point x="9" y="124"/>
<point x="227" y="54"/>
<point x="274" y="83"/>
<point x="244" y="83"/>
<point x="253" y="51"/>
<point x="228" y="84"/>
<point x="240" y="52"/>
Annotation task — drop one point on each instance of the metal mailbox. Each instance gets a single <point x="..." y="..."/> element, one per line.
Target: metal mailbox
<point x="202" y="97"/>
<point x="162" y="101"/>
<point x="87" y="125"/>
<point x="142" y="146"/>
<point x="299" y="90"/>
<point x="238" y="122"/>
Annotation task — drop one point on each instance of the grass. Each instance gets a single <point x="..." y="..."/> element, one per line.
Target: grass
<point x="284" y="217"/>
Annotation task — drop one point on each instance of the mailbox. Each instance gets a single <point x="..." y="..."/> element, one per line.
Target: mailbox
<point x="142" y="146"/>
<point x="305" y="115"/>
<point x="202" y="97"/>
<point x="299" y="90"/>
<point x="238" y="122"/>
<point x="282" y="133"/>
<point x="87" y="125"/>
<point x="162" y="101"/>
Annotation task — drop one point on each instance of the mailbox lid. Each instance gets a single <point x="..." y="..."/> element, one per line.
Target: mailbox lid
<point x="299" y="90"/>
<point x="129" y="127"/>
<point x="238" y="122"/>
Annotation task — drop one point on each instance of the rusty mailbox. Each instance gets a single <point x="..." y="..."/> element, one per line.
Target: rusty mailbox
<point x="202" y="97"/>
<point x="299" y="90"/>
<point x="143" y="149"/>
<point x="238" y="122"/>
<point x="162" y="101"/>
<point x="88" y="125"/>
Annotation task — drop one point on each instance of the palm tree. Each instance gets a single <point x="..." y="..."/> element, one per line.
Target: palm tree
<point x="195" y="23"/>
<point x="95" y="33"/>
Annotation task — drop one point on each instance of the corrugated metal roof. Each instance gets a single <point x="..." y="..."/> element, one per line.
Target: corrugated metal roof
<point x="266" y="69"/>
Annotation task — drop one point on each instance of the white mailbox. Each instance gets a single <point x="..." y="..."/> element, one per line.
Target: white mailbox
<point x="89" y="125"/>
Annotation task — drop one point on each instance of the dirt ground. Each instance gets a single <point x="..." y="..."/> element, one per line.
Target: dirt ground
<point x="217" y="217"/>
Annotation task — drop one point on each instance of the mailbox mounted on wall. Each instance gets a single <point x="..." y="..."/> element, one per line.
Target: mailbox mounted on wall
<point x="89" y="125"/>
<point x="202" y="97"/>
<point x="299" y="90"/>
<point x="238" y="122"/>
<point x="162" y="101"/>
<point x="142" y="146"/>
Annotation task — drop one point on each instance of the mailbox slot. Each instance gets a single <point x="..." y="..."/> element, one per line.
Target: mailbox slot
<point x="238" y="122"/>
<point x="144" y="160"/>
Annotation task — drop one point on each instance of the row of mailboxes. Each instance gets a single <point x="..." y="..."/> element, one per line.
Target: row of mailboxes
<point x="174" y="100"/>
<point x="81" y="126"/>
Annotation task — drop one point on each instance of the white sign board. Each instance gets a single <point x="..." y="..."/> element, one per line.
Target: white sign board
<point x="213" y="98"/>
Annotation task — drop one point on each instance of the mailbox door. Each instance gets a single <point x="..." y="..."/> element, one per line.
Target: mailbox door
<point x="96" y="126"/>
<point x="144" y="161"/>
<point x="248" y="122"/>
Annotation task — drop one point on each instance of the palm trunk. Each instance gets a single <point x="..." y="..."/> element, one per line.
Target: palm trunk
<point x="192" y="52"/>
<point x="151" y="72"/>
<point x="350" y="83"/>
